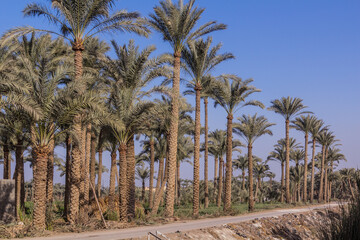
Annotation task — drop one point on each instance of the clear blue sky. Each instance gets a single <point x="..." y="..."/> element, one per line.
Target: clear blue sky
<point x="308" y="49"/>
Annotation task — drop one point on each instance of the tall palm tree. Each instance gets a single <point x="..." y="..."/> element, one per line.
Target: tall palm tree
<point x="288" y="107"/>
<point x="326" y="139"/>
<point x="127" y="76"/>
<point x="232" y="96"/>
<point x="260" y="171"/>
<point x="142" y="173"/>
<point x="176" y="23"/>
<point x="317" y="126"/>
<point x="304" y="124"/>
<point x="279" y="154"/>
<point x="79" y="20"/>
<point x="217" y="146"/>
<point x="251" y="128"/>
<point x="200" y="59"/>
<point x="334" y="156"/>
<point x="242" y="163"/>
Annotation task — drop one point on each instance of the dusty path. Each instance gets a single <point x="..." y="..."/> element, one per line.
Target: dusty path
<point x="181" y="226"/>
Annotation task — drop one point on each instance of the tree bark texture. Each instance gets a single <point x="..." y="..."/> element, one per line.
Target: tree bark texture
<point x="206" y="155"/>
<point x="312" y="171"/>
<point x="227" y="204"/>
<point x="123" y="183"/>
<point x="151" y="180"/>
<point x="50" y="173"/>
<point x="19" y="172"/>
<point x="251" y="181"/>
<point x="113" y="170"/>
<point x="321" y="191"/>
<point x="75" y="174"/>
<point x="100" y="172"/>
<point x="220" y="182"/>
<point x="130" y="158"/>
<point x="287" y="165"/>
<point x="305" y="167"/>
<point x="196" y="176"/>
<point x="67" y="175"/>
<point x="40" y="187"/>
<point x="174" y="123"/>
<point x="92" y="163"/>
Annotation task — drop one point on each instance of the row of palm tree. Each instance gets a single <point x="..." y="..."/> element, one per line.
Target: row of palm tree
<point x="68" y="91"/>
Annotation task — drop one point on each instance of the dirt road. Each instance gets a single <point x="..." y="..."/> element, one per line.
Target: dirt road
<point x="181" y="226"/>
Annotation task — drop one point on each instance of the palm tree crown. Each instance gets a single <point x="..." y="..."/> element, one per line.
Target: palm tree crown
<point x="252" y="127"/>
<point x="288" y="107"/>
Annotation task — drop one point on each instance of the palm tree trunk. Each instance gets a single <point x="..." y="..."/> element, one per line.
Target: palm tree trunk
<point x="287" y="167"/>
<point x="174" y="123"/>
<point x="312" y="172"/>
<point x="330" y="182"/>
<point x="7" y="161"/>
<point x="75" y="176"/>
<point x="305" y="167"/>
<point x="321" y="191"/>
<point x="151" y="180"/>
<point x="250" y="169"/>
<point x="160" y="174"/>
<point x="206" y="154"/>
<point x="159" y="196"/>
<point x="178" y="182"/>
<point x="42" y="153"/>
<point x="92" y="163"/>
<point x="243" y="179"/>
<point x="50" y="174"/>
<point x="113" y="170"/>
<point x="83" y="172"/>
<point x="196" y="182"/>
<point x="227" y="204"/>
<point x="325" y="175"/>
<point x="220" y="182"/>
<point x="143" y="191"/>
<point x="216" y="164"/>
<point x="86" y="143"/>
<point x="282" y="182"/>
<point x="67" y="175"/>
<point x="123" y="183"/>
<point x="99" y="172"/>
<point x="19" y="172"/>
<point x="130" y="158"/>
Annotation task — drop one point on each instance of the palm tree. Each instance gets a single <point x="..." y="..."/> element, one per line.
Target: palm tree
<point x="334" y="155"/>
<point x="304" y="124"/>
<point x="242" y="163"/>
<point x="127" y="76"/>
<point x="45" y="67"/>
<point x="326" y="139"/>
<point x="279" y="154"/>
<point x="317" y="126"/>
<point x="251" y="128"/>
<point x="217" y="146"/>
<point x="232" y="96"/>
<point x="79" y="20"/>
<point x="297" y="155"/>
<point x="260" y="171"/>
<point x="142" y="173"/>
<point x="176" y="23"/>
<point x="200" y="59"/>
<point x="288" y="107"/>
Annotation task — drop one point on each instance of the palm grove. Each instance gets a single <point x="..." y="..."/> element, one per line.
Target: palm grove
<point x="68" y="92"/>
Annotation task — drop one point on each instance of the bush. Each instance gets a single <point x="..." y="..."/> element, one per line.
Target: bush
<point x="111" y="215"/>
<point x="346" y="224"/>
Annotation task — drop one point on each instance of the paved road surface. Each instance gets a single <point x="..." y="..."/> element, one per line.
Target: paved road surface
<point x="181" y="226"/>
